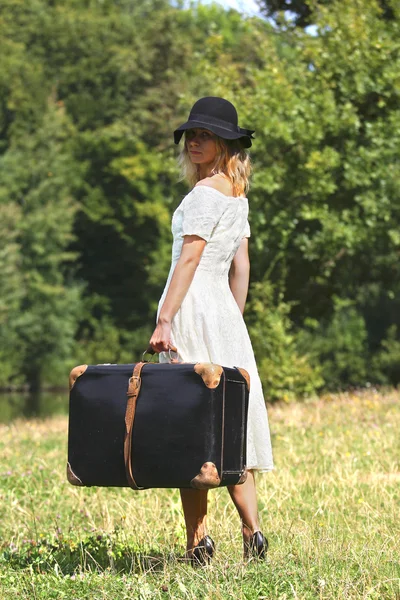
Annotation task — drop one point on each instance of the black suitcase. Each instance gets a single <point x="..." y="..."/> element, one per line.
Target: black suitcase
<point x="164" y="425"/>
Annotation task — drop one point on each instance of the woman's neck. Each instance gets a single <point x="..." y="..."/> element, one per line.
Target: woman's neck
<point x="207" y="171"/>
<point x="204" y="171"/>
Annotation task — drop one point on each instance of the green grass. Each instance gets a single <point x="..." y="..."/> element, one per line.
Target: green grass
<point x="330" y="510"/>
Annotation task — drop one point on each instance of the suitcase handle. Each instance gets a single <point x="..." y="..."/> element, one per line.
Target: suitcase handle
<point x="153" y="352"/>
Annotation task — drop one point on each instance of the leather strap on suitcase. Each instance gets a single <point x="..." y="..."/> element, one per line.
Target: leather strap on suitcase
<point x="132" y="393"/>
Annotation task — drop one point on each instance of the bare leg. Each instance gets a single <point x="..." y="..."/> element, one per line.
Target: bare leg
<point x="244" y="497"/>
<point x="194" y="503"/>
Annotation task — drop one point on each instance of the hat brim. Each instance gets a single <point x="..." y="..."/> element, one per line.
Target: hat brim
<point x="226" y="134"/>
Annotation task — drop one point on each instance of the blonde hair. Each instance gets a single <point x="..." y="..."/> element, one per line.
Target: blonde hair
<point x="231" y="160"/>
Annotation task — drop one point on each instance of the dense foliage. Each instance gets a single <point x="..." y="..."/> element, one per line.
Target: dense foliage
<point x="302" y="13"/>
<point x="90" y="93"/>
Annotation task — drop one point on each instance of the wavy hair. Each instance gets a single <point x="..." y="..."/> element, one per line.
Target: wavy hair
<point x="232" y="160"/>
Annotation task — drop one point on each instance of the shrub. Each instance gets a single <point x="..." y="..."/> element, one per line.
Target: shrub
<point x="386" y="362"/>
<point x="338" y="346"/>
<point x="285" y="373"/>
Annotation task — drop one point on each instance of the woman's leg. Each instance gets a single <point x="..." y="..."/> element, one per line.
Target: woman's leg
<point x="194" y="503"/>
<point x="244" y="497"/>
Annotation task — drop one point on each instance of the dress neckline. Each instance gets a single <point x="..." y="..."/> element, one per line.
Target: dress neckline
<point x="220" y="193"/>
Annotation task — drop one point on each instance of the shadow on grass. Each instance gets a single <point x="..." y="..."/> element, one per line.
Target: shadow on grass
<point x="102" y="552"/>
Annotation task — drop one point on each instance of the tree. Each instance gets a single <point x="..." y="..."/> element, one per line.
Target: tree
<point x="303" y="13"/>
<point x="11" y="290"/>
<point x="91" y="93"/>
<point x="38" y="178"/>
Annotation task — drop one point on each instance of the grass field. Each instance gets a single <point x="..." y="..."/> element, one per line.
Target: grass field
<point x="330" y="510"/>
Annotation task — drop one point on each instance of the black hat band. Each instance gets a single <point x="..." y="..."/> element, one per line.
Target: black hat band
<point x="209" y="120"/>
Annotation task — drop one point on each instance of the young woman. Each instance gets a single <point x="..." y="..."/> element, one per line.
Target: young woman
<point x="201" y="310"/>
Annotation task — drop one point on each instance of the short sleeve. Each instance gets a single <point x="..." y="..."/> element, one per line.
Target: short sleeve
<point x="202" y="209"/>
<point x="247" y="230"/>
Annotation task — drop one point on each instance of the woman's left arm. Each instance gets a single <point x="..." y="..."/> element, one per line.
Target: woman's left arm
<point x="192" y="249"/>
<point x="239" y="274"/>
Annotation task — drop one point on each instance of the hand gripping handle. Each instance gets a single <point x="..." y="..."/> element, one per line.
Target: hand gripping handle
<point x="152" y="352"/>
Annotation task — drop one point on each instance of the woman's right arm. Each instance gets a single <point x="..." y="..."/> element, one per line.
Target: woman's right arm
<point x="239" y="274"/>
<point x="192" y="250"/>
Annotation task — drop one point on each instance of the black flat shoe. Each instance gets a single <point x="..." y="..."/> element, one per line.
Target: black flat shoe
<point x="257" y="546"/>
<point x="203" y="552"/>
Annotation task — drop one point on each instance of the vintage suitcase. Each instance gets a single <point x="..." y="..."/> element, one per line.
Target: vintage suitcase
<point x="164" y="425"/>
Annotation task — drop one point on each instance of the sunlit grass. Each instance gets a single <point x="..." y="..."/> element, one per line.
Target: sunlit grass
<point x="330" y="510"/>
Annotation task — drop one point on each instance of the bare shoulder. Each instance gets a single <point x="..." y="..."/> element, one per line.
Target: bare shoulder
<point x="219" y="183"/>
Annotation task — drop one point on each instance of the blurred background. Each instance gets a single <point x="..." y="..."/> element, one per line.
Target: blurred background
<point x="90" y="92"/>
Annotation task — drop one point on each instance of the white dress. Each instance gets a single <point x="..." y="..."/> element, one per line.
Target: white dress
<point x="209" y="326"/>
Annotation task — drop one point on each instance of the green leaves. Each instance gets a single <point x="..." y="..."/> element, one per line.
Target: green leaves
<point x="286" y="374"/>
<point x="39" y="178"/>
<point x="91" y="94"/>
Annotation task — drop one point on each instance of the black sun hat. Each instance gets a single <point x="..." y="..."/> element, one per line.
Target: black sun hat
<point x="219" y="116"/>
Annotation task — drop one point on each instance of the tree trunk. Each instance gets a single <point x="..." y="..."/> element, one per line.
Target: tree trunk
<point x="32" y="403"/>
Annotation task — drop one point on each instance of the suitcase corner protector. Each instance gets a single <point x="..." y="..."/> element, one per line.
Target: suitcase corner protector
<point x="75" y="373"/>
<point x="72" y="478"/>
<point x="210" y="373"/>
<point x="207" y="478"/>
<point x="243" y="477"/>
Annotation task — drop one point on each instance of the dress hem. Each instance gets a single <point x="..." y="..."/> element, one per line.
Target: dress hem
<point x="261" y="469"/>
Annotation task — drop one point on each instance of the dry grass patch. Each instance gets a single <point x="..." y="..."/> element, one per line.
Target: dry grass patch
<point x="330" y="510"/>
